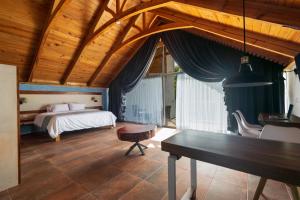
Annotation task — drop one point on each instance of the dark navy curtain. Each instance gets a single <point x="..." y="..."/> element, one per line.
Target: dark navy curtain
<point x="206" y="60"/>
<point x="297" y="61"/>
<point x="130" y="76"/>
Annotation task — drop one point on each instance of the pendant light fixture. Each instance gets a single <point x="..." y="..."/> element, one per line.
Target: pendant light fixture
<point x="245" y="77"/>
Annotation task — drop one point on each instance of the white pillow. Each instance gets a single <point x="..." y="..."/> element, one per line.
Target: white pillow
<point x="58" y="108"/>
<point x="49" y="108"/>
<point x="76" y="106"/>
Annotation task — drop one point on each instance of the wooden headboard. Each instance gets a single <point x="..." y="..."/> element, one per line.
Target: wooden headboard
<point x="35" y="102"/>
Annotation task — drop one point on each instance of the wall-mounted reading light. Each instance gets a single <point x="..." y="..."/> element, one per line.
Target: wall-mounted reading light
<point x="94" y="99"/>
<point x="22" y="100"/>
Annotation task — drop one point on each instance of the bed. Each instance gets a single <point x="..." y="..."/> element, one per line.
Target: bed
<point x="60" y="121"/>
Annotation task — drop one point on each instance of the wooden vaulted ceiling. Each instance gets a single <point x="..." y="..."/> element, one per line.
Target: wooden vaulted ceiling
<point x="88" y="42"/>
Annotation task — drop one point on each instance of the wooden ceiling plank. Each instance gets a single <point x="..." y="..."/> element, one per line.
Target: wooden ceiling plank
<point x="152" y="22"/>
<point x="163" y="28"/>
<point x="82" y="44"/>
<point x="110" y="53"/>
<point x="268" y="12"/>
<point x="280" y="47"/>
<point x="290" y="66"/>
<point x="123" y="64"/>
<point x="148" y="6"/>
<point x="55" y="5"/>
<point x="139" y="36"/>
<point x="56" y="8"/>
<point x="152" y="31"/>
<point x="138" y="28"/>
<point x="134" y="11"/>
<point x="141" y="8"/>
<point x="123" y="4"/>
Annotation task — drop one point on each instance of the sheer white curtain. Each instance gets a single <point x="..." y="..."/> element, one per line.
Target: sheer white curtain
<point x="200" y="105"/>
<point x="144" y="103"/>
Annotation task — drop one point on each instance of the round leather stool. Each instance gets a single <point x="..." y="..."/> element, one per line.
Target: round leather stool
<point x="136" y="133"/>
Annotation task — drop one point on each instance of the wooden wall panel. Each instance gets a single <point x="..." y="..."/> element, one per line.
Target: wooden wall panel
<point x="112" y="66"/>
<point x="131" y="3"/>
<point x="288" y="3"/>
<point x="114" y="57"/>
<point x="106" y="16"/>
<point x="21" y="22"/>
<point x="94" y="54"/>
<point x="64" y="37"/>
<point x="274" y="30"/>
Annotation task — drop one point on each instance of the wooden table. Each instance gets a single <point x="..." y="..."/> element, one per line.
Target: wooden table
<point x="269" y="159"/>
<point x="273" y="119"/>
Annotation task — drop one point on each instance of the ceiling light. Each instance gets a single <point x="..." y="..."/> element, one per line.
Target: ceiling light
<point x="245" y="77"/>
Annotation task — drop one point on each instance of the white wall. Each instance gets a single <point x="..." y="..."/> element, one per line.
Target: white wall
<point x="8" y="127"/>
<point x="293" y="92"/>
<point x="40" y="101"/>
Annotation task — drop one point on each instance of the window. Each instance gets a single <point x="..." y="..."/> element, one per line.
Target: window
<point x="200" y="105"/>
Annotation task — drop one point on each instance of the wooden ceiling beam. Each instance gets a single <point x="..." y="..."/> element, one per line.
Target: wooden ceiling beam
<point x="269" y="12"/>
<point x="56" y="8"/>
<point x="123" y="64"/>
<point x="118" y="6"/>
<point x="134" y="11"/>
<point x="152" y="22"/>
<point x="267" y="43"/>
<point x="119" y="40"/>
<point x="123" y="4"/>
<point x="290" y="66"/>
<point x="188" y="25"/>
<point x="110" y="11"/>
<point x="138" y="28"/>
<point x="152" y="31"/>
<point x="144" y="20"/>
<point x="141" y="8"/>
<point x="82" y="44"/>
<point x="235" y="5"/>
<point x="139" y="36"/>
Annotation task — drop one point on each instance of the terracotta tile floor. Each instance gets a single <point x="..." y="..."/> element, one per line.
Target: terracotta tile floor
<point x="90" y="165"/>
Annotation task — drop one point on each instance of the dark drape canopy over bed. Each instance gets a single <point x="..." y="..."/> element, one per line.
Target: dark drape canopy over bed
<point x="208" y="61"/>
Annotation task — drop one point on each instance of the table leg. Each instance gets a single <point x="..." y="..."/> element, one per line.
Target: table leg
<point x="294" y="192"/>
<point x="172" y="177"/>
<point x="193" y="177"/>
<point x="190" y="194"/>
<point x="260" y="188"/>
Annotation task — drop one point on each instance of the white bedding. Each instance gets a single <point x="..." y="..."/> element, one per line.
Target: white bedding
<point x="72" y="120"/>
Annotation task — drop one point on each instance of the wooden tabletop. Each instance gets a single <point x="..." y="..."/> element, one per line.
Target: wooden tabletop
<point x="273" y="119"/>
<point x="270" y="159"/>
<point x="136" y="128"/>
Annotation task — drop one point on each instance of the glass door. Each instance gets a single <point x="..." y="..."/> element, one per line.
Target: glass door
<point x="165" y="67"/>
